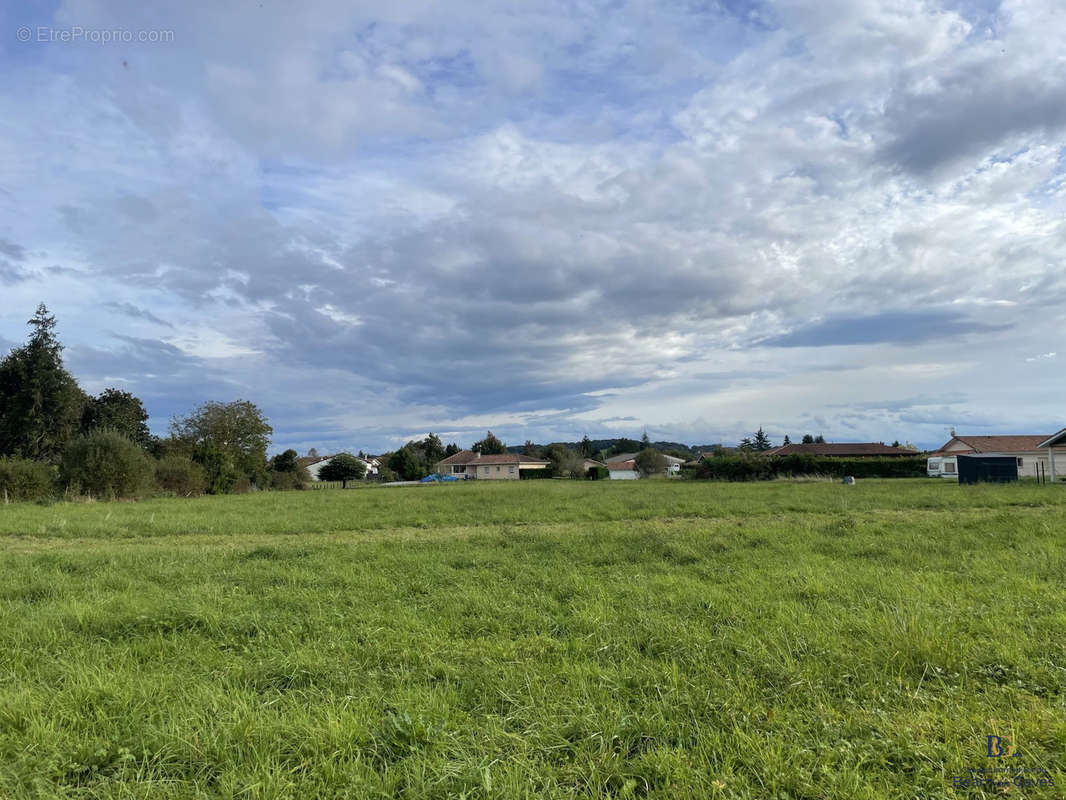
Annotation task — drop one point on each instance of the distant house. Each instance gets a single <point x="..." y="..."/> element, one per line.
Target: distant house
<point x="503" y="467"/>
<point x="841" y="450"/>
<point x="623" y="466"/>
<point x="1034" y="453"/>
<point x="314" y="464"/>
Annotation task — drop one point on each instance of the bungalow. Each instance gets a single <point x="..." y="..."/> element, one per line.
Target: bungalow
<point x="623" y="466"/>
<point x="1036" y="454"/>
<point x="842" y="450"/>
<point x="503" y="467"/>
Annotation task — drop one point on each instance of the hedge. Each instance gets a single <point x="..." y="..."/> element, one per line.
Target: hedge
<point x="23" y="479"/>
<point x="764" y="468"/>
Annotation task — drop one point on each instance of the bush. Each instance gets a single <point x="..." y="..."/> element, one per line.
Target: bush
<point x="23" y="479"/>
<point x="598" y="473"/>
<point x="105" y="463"/>
<point x="284" y="480"/>
<point x="764" y="468"/>
<point x="181" y="476"/>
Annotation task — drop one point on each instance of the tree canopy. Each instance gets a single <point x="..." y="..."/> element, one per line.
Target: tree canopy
<point x="343" y="467"/>
<point x="650" y="461"/>
<point x="118" y="411"/>
<point x="229" y="439"/>
<point x="490" y="445"/>
<point x="40" y="402"/>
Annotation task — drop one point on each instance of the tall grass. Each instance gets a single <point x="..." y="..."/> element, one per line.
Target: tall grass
<point x="550" y="639"/>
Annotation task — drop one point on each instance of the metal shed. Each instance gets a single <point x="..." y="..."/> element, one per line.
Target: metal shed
<point x="991" y="469"/>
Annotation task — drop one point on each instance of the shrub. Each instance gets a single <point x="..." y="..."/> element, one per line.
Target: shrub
<point x="181" y="476"/>
<point x="105" y="463"/>
<point x="763" y="468"/>
<point x="23" y="479"/>
<point x="284" y="480"/>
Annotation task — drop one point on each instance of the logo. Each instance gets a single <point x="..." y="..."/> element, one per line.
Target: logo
<point x="1001" y="776"/>
<point x="996" y="748"/>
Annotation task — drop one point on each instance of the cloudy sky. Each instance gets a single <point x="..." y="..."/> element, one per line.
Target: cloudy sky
<point x="552" y="218"/>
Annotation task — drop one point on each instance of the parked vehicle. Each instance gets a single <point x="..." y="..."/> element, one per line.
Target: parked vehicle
<point x="942" y="467"/>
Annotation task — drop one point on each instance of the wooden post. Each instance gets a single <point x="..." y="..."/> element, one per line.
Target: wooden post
<point x="1051" y="462"/>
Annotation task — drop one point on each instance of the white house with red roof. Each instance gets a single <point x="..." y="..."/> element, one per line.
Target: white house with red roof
<point x="468" y="464"/>
<point x="1037" y="454"/>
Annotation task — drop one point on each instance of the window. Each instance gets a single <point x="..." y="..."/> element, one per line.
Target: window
<point x="511" y="470"/>
<point x="949" y="466"/>
<point x="485" y="470"/>
<point x="1021" y="462"/>
<point x="497" y="469"/>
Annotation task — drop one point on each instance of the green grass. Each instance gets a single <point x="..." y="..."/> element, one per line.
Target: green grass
<point x="542" y="639"/>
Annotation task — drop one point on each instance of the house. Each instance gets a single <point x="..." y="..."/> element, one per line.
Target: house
<point x="841" y="450"/>
<point x="1036" y="454"/>
<point x="314" y="464"/>
<point x="623" y="466"/>
<point x="503" y="467"/>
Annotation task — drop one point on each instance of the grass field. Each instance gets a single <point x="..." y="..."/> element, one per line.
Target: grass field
<point x="542" y="639"/>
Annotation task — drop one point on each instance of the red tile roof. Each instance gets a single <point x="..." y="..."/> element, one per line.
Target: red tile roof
<point x="470" y="458"/>
<point x="995" y="444"/>
<point x="840" y="449"/>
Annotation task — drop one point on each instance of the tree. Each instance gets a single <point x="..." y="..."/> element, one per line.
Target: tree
<point x="819" y="439"/>
<point x="451" y="449"/>
<point x="40" y="402"/>
<point x="432" y="450"/>
<point x="746" y="445"/>
<point x="787" y="441"/>
<point x="285" y="462"/>
<point x="645" y="442"/>
<point x="230" y="440"/>
<point x="343" y="467"/>
<point x="650" y="461"/>
<point x="118" y="411"/>
<point x="808" y="439"/>
<point x="566" y="463"/>
<point x="530" y="449"/>
<point x="626" y="446"/>
<point x="761" y="442"/>
<point x="896" y="443"/>
<point x="406" y="464"/>
<point x="490" y="446"/>
<point x="586" y="447"/>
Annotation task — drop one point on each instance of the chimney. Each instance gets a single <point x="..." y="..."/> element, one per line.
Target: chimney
<point x="478" y="454"/>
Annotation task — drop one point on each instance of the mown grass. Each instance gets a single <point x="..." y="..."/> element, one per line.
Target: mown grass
<point x="544" y="639"/>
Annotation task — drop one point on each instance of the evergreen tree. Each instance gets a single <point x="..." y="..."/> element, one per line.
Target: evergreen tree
<point x="586" y="447"/>
<point x="762" y="442"/>
<point x="787" y="441"/>
<point x="451" y="449"/>
<point x="490" y="446"/>
<point x="530" y="449"/>
<point x="819" y="439"/>
<point x="808" y="439"/>
<point x="40" y="402"/>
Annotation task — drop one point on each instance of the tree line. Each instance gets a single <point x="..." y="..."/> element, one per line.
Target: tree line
<point x="55" y="438"/>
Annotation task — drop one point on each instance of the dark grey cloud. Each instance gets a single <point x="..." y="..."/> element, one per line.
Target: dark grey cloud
<point x="15" y="252"/>
<point x="893" y="327"/>
<point x="972" y="112"/>
<point x="130" y="310"/>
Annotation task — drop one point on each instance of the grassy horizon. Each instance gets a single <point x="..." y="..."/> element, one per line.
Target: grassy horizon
<point x="542" y="639"/>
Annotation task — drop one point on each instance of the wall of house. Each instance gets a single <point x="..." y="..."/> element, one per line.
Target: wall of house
<point x="494" y="472"/>
<point x="623" y="475"/>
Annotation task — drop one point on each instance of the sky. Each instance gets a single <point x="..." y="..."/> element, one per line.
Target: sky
<point x="548" y="219"/>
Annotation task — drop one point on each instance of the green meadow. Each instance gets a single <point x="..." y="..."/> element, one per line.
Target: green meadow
<point x="543" y="639"/>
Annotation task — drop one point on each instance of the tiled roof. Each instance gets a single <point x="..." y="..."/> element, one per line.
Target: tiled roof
<point x="996" y="444"/>
<point x="841" y="449"/>
<point x="469" y="457"/>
